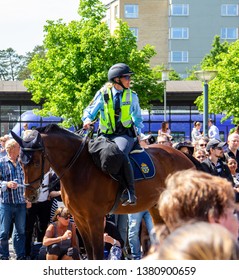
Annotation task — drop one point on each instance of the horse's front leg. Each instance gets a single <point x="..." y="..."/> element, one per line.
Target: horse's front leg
<point x="85" y="235"/>
<point x="98" y="246"/>
<point x="92" y="232"/>
<point x="96" y="226"/>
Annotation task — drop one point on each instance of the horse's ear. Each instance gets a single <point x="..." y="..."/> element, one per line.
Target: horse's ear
<point x="37" y="141"/>
<point x="18" y="139"/>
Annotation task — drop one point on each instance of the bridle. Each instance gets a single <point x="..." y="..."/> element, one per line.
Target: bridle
<point x="44" y="157"/>
<point x="40" y="179"/>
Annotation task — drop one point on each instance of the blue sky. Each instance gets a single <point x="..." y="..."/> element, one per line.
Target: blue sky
<point x="22" y="21"/>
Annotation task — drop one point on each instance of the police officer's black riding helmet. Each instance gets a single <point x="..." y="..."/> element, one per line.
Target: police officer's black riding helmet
<point x="118" y="70"/>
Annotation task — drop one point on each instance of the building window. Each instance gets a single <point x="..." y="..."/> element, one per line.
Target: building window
<point x="179" y="9"/>
<point x="179" y="56"/>
<point x="179" y="33"/>
<point x="229" y="33"/>
<point x="116" y="11"/>
<point x="229" y="10"/>
<point x="108" y="17"/>
<point x="131" y="11"/>
<point x="135" y="32"/>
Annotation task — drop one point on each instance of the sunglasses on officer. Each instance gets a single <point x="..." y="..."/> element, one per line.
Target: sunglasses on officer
<point x="127" y="77"/>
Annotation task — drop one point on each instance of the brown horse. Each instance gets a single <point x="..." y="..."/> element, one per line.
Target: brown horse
<point x="87" y="192"/>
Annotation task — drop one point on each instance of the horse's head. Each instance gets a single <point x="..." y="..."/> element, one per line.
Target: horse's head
<point x="32" y="160"/>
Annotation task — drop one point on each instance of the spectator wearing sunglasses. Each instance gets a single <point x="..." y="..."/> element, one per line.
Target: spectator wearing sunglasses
<point x="214" y="164"/>
<point x="60" y="238"/>
<point x="200" y="154"/>
<point x="164" y="140"/>
<point x="201" y="143"/>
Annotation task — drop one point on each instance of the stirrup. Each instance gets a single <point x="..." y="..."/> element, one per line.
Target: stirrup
<point x="128" y="199"/>
<point x="129" y="202"/>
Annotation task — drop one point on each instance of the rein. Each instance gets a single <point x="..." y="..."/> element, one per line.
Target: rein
<point x="69" y="165"/>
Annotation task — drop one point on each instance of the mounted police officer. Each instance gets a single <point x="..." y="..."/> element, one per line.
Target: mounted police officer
<point x="120" y="114"/>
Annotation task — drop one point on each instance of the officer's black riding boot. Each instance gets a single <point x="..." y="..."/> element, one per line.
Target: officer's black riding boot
<point x="128" y="197"/>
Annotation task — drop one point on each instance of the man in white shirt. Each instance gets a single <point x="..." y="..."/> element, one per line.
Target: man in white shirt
<point x="213" y="132"/>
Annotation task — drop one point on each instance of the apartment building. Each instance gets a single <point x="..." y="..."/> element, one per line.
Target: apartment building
<point x="182" y="31"/>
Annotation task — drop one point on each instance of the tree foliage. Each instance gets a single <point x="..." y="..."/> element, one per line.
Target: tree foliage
<point x="10" y="64"/>
<point x="25" y="73"/>
<point x="76" y="62"/>
<point x="223" y="90"/>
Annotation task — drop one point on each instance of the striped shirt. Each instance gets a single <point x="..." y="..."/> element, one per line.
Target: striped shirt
<point x="8" y="173"/>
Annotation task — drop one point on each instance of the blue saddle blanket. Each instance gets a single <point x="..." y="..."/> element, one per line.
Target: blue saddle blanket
<point x="143" y="165"/>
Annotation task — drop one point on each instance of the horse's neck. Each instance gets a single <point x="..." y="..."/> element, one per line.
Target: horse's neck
<point x="61" y="151"/>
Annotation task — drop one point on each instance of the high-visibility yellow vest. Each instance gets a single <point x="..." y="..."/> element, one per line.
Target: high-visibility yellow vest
<point x="107" y="124"/>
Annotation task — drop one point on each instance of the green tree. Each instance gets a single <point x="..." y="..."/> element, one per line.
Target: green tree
<point x="10" y="64"/>
<point x="77" y="59"/>
<point x="24" y="72"/>
<point x="223" y="90"/>
<point x="213" y="58"/>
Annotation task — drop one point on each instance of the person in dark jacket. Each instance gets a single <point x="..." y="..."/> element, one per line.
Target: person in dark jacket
<point x="214" y="164"/>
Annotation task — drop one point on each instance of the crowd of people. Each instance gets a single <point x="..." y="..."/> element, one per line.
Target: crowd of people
<point x="200" y="208"/>
<point x="51" y="226"/>
<point x="21" y="222"/>
<point x="191" y="201"/>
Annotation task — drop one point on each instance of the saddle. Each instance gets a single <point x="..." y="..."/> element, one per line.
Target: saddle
<point x="142" y="164"/>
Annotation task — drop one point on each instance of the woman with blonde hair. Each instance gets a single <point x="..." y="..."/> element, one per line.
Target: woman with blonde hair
<point x="60" y="238"/>
<point x="199" y="241"/>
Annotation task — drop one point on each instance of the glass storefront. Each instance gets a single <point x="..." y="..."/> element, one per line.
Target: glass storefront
<point x="181" y="120"/>
<point x="11" y="114"/>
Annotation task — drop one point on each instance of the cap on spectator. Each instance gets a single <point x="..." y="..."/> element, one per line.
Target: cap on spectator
<point x="215" y="144"/>
<point x="185" y="144"/>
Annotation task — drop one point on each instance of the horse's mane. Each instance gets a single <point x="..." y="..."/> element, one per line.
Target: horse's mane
<point x="196" y="162"/>
<point x="54" y="128"/>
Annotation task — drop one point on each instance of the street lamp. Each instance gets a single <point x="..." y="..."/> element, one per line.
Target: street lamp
<point x="165" y="78"/>
<point x="205" y="77"/>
